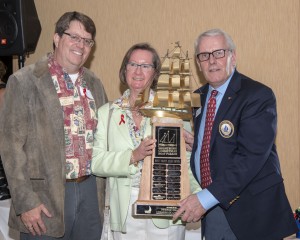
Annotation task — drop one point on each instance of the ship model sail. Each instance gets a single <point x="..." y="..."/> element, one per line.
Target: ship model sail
<point x="173" y="96"/>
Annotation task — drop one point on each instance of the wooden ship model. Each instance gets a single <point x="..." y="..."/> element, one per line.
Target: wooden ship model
<point x="173" y="97"/>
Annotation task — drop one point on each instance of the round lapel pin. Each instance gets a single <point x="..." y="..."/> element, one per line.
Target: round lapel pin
<point x="226" y="129"/>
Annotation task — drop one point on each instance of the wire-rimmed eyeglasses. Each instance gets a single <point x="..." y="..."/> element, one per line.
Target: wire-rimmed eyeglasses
<point x="219" y="53"/>
<point x="77" y="39"/>
<point x="145" y="67"/>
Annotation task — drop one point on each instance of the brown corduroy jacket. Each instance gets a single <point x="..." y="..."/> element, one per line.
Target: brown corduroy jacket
<point x="32" y="144"/>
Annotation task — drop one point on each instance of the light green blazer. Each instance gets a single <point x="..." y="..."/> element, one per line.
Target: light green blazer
<point x="115" y="165"/>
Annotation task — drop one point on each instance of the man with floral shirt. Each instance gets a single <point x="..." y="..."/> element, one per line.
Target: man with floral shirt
<point x="48" y="124"/>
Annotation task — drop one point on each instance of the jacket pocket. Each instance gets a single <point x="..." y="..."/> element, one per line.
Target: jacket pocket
<point x="38" y="184"/>
<point x="265" y="183"/>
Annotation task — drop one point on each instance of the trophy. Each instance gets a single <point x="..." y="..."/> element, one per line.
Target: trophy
<point x="165" y="180"/>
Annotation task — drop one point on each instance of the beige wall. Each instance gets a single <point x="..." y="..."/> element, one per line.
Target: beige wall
<point x="266" y="33"/>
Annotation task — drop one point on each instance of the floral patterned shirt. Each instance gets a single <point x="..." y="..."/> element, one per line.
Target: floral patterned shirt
<point x="80" y="121"/>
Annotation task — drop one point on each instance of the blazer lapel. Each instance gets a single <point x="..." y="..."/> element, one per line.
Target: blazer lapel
<point x="203" y="93"/>
<point x="229" y="97"/>
<point x="49" y="99"/>
<point x="119" y="119"/>
<point x="122" y="126"/>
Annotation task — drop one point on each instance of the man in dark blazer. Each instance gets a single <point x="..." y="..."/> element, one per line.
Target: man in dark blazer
<point x="47" y="126"/>
<point x="245" y="197"/>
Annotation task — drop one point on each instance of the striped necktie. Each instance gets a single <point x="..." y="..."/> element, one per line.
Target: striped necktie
<point x="204" y="154"/>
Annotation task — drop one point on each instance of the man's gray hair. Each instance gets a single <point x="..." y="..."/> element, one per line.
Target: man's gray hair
<point x="212" y="33"/>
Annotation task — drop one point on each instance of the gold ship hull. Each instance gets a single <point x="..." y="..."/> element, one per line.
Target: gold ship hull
<point x="167" y="112"/>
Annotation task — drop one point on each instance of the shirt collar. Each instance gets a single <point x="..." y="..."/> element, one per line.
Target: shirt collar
<point x="221" y="89"/>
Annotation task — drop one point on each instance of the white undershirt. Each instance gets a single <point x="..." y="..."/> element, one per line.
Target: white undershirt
<point x="74" y="77"/>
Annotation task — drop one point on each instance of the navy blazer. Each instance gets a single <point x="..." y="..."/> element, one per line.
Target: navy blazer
<point x="244" y="164"/>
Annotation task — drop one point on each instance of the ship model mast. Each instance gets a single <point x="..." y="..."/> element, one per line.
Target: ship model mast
<point x="173" y="97"/>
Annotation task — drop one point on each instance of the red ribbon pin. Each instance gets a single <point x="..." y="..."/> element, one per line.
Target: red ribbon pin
<point x="84" y="91"/>
<point x="122" y="119"/>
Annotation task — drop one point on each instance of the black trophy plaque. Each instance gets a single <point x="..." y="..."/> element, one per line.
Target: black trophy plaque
<point x="165" y="174"/>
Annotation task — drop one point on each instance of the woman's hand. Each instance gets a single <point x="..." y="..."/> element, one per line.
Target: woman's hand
<point x="143" y="150"/>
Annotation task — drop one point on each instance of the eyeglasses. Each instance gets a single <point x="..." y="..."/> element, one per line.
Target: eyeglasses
<point x="131" y="66"/>
<point x="204" y="56"/>
<point x="76" y="39"/>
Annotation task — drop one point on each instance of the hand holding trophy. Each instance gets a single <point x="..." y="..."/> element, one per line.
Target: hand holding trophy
<point x="165" y="179"/>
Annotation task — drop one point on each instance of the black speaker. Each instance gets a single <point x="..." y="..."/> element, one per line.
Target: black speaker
<point x="20" y="27"/>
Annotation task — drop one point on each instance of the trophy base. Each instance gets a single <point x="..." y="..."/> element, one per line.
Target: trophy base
<point x="155" y="208"/>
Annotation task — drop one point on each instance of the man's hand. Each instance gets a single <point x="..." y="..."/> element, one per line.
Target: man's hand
<point x="33" y="221"/>
<point x="190" y="209"/>
<point x="189" y="140"/>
